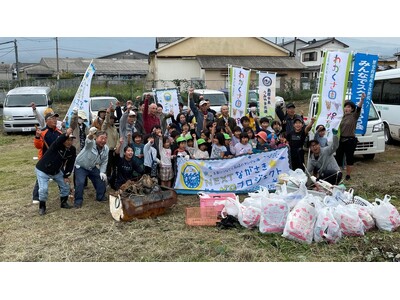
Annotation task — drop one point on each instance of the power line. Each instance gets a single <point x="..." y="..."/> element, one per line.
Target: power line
<point x="7" y="52"/>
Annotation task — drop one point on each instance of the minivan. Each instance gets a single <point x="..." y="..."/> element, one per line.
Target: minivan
<point x="17" y="111"/>
<point x="100" y="102"/>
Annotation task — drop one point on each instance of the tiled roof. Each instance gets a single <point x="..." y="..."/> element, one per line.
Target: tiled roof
<point x="251" y="62"/>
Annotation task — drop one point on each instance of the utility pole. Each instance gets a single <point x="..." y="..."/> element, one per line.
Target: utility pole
<point x="294" y="47"/>
<point x="16" y="59"/>
<point x="58" y="73"/>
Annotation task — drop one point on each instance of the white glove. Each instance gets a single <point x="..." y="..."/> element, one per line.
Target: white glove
<point x="103" y="176"/>
<point x="92" y="130"/>
<point x="75" y="110"/>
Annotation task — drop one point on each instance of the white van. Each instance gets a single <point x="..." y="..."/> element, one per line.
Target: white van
<point x="17" y="111"/>
<point x="217" y="98"/>
<point x="370" y="143"/>
<point x="101" y="102"/>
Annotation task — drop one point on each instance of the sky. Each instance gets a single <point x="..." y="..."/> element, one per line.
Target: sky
<point x="32" y="49"/>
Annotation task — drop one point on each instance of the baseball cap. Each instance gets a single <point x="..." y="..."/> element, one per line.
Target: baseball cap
<point x="202" y="102"/>
<point x="82" y="114"/>
<point x="298" y="119"/>
<point x="132" y="113"/>
<point x="263" y="135"/>
<point x="180" y="139"/>
<point x="200" y="141"/>
<point x="50" y="115"/>
<point x="188" y="137"/>
<point x="290" y="105"/>
<point x="227" y="136"/>
<point x="71" y="136"/>
<point x="312" y="141"/>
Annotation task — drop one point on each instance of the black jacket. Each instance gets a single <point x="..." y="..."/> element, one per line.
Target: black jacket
<point x="57" y="158"/>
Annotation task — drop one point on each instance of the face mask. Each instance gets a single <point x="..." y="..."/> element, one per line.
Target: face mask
<point x="253" y="109"/>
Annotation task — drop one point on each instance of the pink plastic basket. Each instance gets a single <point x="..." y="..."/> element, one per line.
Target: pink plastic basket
<point x="208" y="199"/>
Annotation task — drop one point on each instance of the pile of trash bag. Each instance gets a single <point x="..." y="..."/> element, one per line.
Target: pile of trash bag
<point x="305" y="217"/>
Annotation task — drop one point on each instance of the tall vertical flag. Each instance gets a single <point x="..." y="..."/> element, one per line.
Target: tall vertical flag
<point x="363" y="82"/>
<point x="266" y="94"/>
<point x="239" y="82"/>
<point x="82" y="97"/>
<point x="332" y="90"/>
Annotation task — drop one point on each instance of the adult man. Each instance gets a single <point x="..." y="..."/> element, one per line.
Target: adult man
<point x="287" y="118"/>
<point x="92" y="162"/>
<point x="112" y="139"/>
<point x="202" y="115"/>
<point x="42" y="141"/>
<point x="150" y="117"/>
<point x="225" y="119"/>
<point x="163" y="117"/>
<point x="56" y="164"/>
<point x="322" y="163"/>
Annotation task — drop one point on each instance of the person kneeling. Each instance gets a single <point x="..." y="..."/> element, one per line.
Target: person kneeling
<point x="322" y="163"/>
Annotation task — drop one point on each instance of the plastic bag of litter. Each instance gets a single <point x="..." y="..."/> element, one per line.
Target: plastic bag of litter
<point x="385" y="214"/>
<point x="301" y="220"/>
<point x="231" y="206"/>
<point x="274" y="212"/>
<point x="256" y="198"/>
<point x="364" y="209"/>
<point x="249" y="216"/>
<point x="293" y="198"/>
<point x="326" y="227"/>
<point x="349" y="221"/>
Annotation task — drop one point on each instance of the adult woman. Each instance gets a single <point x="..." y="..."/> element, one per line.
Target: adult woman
<point x="348" y="140"/>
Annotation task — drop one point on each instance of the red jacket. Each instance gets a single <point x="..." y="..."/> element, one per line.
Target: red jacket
<point x="149" y="120"/>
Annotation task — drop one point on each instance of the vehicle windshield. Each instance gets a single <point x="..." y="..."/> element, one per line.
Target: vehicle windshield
<point x="253" y="96"/>
<point x="216" y="99"/>
<point x="25" y="100"/>
<point x="97" y="104"/>
<point x="373" y="114"/>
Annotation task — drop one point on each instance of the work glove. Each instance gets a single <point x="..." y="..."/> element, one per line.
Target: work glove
<point x="92" y="130"/>
<point x="334" y="131"/>
<point x="103" y="176"/>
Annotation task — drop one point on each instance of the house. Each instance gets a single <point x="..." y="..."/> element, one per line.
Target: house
<point x="387" y="63"/>
<point x="105" y="68"/>
<point x="312" y="55"/>
<point x="204" y="61"/>
<point x="294" y="46"/>
<point x="127" y="54"/>
<point x="397" y="55"/>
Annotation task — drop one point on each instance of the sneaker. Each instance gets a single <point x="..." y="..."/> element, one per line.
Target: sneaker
<point x="35" y="201"/>
<point x="347" y="177"/>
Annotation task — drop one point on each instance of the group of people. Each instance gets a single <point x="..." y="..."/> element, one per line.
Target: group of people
<point x="148" y="141"/>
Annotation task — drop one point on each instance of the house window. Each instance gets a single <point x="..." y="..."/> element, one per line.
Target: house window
<point x="310" y="56"/>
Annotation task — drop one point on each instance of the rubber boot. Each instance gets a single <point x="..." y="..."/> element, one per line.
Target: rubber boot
<point x="42" y="208"/>
<point x="64" y="202"/>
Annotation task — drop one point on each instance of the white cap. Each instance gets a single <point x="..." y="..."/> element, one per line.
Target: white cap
<point x="202" y="102"/>
<point x="132" y="113"/>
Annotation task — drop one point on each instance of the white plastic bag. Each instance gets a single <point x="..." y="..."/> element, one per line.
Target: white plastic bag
<point x="231" y="206"/>
<point x="326" y="227"/>
<point x="293" y="198"/>
<point x="349" y="221"/>
<point x="385" y="214"/>
<point x="301" y="220"/>
<point x="274" y="212"/>
<point x="249" y="216"/>
<point x="364" y="209"/>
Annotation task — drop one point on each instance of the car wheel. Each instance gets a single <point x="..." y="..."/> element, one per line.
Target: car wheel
<point x="369" y="156"/>
<point x="388" y="137"/>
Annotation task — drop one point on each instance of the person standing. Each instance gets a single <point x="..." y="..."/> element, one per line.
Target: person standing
<point x="202" y="115"/>
<point x="348" y="140"/>
<point x="288" y="118"/>
<point x="56" y="164"/>
<point x="225" y="120"/>
<point x="92" y="162"/>
<point x="150" y="117"/>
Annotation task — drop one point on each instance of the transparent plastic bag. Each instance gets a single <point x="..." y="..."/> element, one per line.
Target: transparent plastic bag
<point x="349" y="221"/>
<point x="326" y="227"/>
<point x="274" y="212"/>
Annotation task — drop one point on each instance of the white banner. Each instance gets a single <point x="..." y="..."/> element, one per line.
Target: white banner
<point x="168" y="98"/>
<point x="82" y="96"/>
<point x="332" y="90"/>
<point x="266" y="92"/>
<point x="239" y="174"/>
<point x="239" y="81"/>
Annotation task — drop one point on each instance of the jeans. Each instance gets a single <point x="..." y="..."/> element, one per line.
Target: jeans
<point x="94" y="176"/>
<point x="43" y="181"/>
<point x="35" y="192"/>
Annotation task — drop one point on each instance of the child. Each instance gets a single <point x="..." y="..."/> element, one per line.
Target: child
<point x="320" y="136"/>
<point x="181" y="150"/>
<point x="243" y="147"/>
<point x="218" y="146"/>
<point x="189" y="145"/>
<point x="138" y="154"/>
<point x="150" y="157"/>
<point x="230" y="150"/>
<point x="236" y="135"/>
<point x="252" y="138"/>
<point x="200" y="148"/>
<point x="245" y="121"/>
<point x="296" y="140"/>
<point x="264" y="125"/>
<point x="166" y="171"/>
<point x="262" y="144"/>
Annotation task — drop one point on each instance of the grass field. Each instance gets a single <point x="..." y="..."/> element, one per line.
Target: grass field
<point x="90" y="234"/>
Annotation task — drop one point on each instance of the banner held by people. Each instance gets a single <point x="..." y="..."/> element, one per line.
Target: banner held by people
<point x="239" y="82"/>
<point x="266" y="94"/>
<point x="332" y="90"/>
<point x="82" y="96"/>
<point x="240" y="174"/>
<point x="168" y="98"/>
<point x="363" y="82"/>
